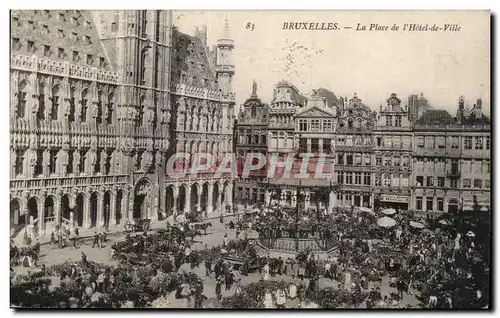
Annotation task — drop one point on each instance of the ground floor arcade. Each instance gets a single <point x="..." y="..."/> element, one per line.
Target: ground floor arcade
<point x="41" y="210"/>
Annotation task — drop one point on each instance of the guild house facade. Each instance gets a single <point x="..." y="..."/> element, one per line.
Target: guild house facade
<point x="99" y="101"/>
<point x="408" y="157"/>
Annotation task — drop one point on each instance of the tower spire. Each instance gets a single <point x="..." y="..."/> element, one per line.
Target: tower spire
<point x="254" y="89"/>
<point x="227" y="34"/>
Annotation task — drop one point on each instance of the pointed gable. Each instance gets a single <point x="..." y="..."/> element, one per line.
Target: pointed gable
<point x="315" y="112"/>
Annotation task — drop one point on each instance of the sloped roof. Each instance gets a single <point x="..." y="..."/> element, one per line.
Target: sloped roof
<point x="329" y="95"/>
<point x="435" y="117"/>
<point x="70" y="30"/>
<point x="189" y="58"/>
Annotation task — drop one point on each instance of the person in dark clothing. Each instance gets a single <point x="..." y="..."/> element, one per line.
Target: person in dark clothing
<point x="96" y="240"/>
<point x="229" y="279"/>
<point x="401" y="286"/>
<point x="280" y="266"/>
<point x="208" y="267"/>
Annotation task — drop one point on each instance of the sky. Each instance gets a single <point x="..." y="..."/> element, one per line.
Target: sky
<point x="373" y="64"/>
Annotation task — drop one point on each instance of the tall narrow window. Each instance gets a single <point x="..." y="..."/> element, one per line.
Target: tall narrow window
<point x="84" y="101"/>
<point x="398" y="121"/>
<point x="143" y="68"/>
<point x="41" y="103"/>
<point x="39" y="163"/>
<point x="144" y="24"/>
<point x="55" y="103"/>
<point x="69" y="166"/>
<point x="157" y="26"/>
<point x="99" y="107"/>
<point x="109" y="118"/>
<point x="21" y="100"/>
<point x="71" y="115"/>
<point x="19" y="164"/>
<point x="52" y="161"/>
<point x="97" y="166"/>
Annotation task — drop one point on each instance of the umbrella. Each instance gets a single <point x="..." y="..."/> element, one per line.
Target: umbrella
<point x="223" y="251"/>
<point x="468" y="208"/>
<point x="386" y="222"/>
<point x="417" y="225"/>
<point x="389" y="211"/>
<point x="444" y="222"/>
<point x="367" y="210"/>
<point x="470" y="234"/>
<point x="484" y="209"/>
<point x="255" y="210"/>
<point x="181" y="218"/>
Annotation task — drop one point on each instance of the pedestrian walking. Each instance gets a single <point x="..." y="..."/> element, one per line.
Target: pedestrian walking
<point x="96" y="239"/>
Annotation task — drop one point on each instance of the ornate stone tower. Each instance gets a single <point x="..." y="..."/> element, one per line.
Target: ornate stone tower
<point x="224" y="67"/>
<point x="224" y="71"/>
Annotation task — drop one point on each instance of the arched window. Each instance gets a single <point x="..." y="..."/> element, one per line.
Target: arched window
<point x="84" y="102"/>
<point x="254" y="111"/>
<point x="55" y="103"/>
<point x="21" y="99"/>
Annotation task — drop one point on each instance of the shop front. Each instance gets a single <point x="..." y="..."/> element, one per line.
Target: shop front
<point x="398" y="202"/>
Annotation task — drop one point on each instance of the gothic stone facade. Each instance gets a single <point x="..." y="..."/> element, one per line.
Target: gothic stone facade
<point x="94" y="117"/>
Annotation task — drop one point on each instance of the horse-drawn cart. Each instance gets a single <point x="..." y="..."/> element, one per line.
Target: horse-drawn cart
<point x="142" y="225"/>
<point x="244" y="265"/>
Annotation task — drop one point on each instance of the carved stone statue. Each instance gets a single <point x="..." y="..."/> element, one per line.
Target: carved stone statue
<point x="63" y="157"/>
<point x="76" y="160"/>
<point x="158" y="158"/>
<point x="150" y="116"/>
<point x="147" y="160"/>
<point x="95" y="111"/>
<point x="35" y="107"/>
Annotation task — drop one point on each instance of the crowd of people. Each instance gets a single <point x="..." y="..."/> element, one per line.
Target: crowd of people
<point x="442" y="264"/>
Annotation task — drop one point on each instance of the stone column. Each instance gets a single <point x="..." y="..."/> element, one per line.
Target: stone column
<point x="219" y="199"/>
<point x="308" y="144"/>
<point x="100" y="210"/>
<point x="198" y="208"/>
<point x="210" y="204"/>
<point x="294" y="198"/>
<point x="41" y="217"/>
<point x="86" y="211"/>
<point x="371" y="201"/>
<point x="445" y="205"/>
<point x="352" y="199"/>
<point x="361" y="200"/>
<point x="434" y="203"/>
<point x="124" y="204"/>
<point x="187" y="203"/>
<point x="176" y="196"/>
<point x="112" y="209"/>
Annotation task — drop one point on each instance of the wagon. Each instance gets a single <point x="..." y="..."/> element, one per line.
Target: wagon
<point x="140" y="225"/>
<point x="244" y="266"/>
